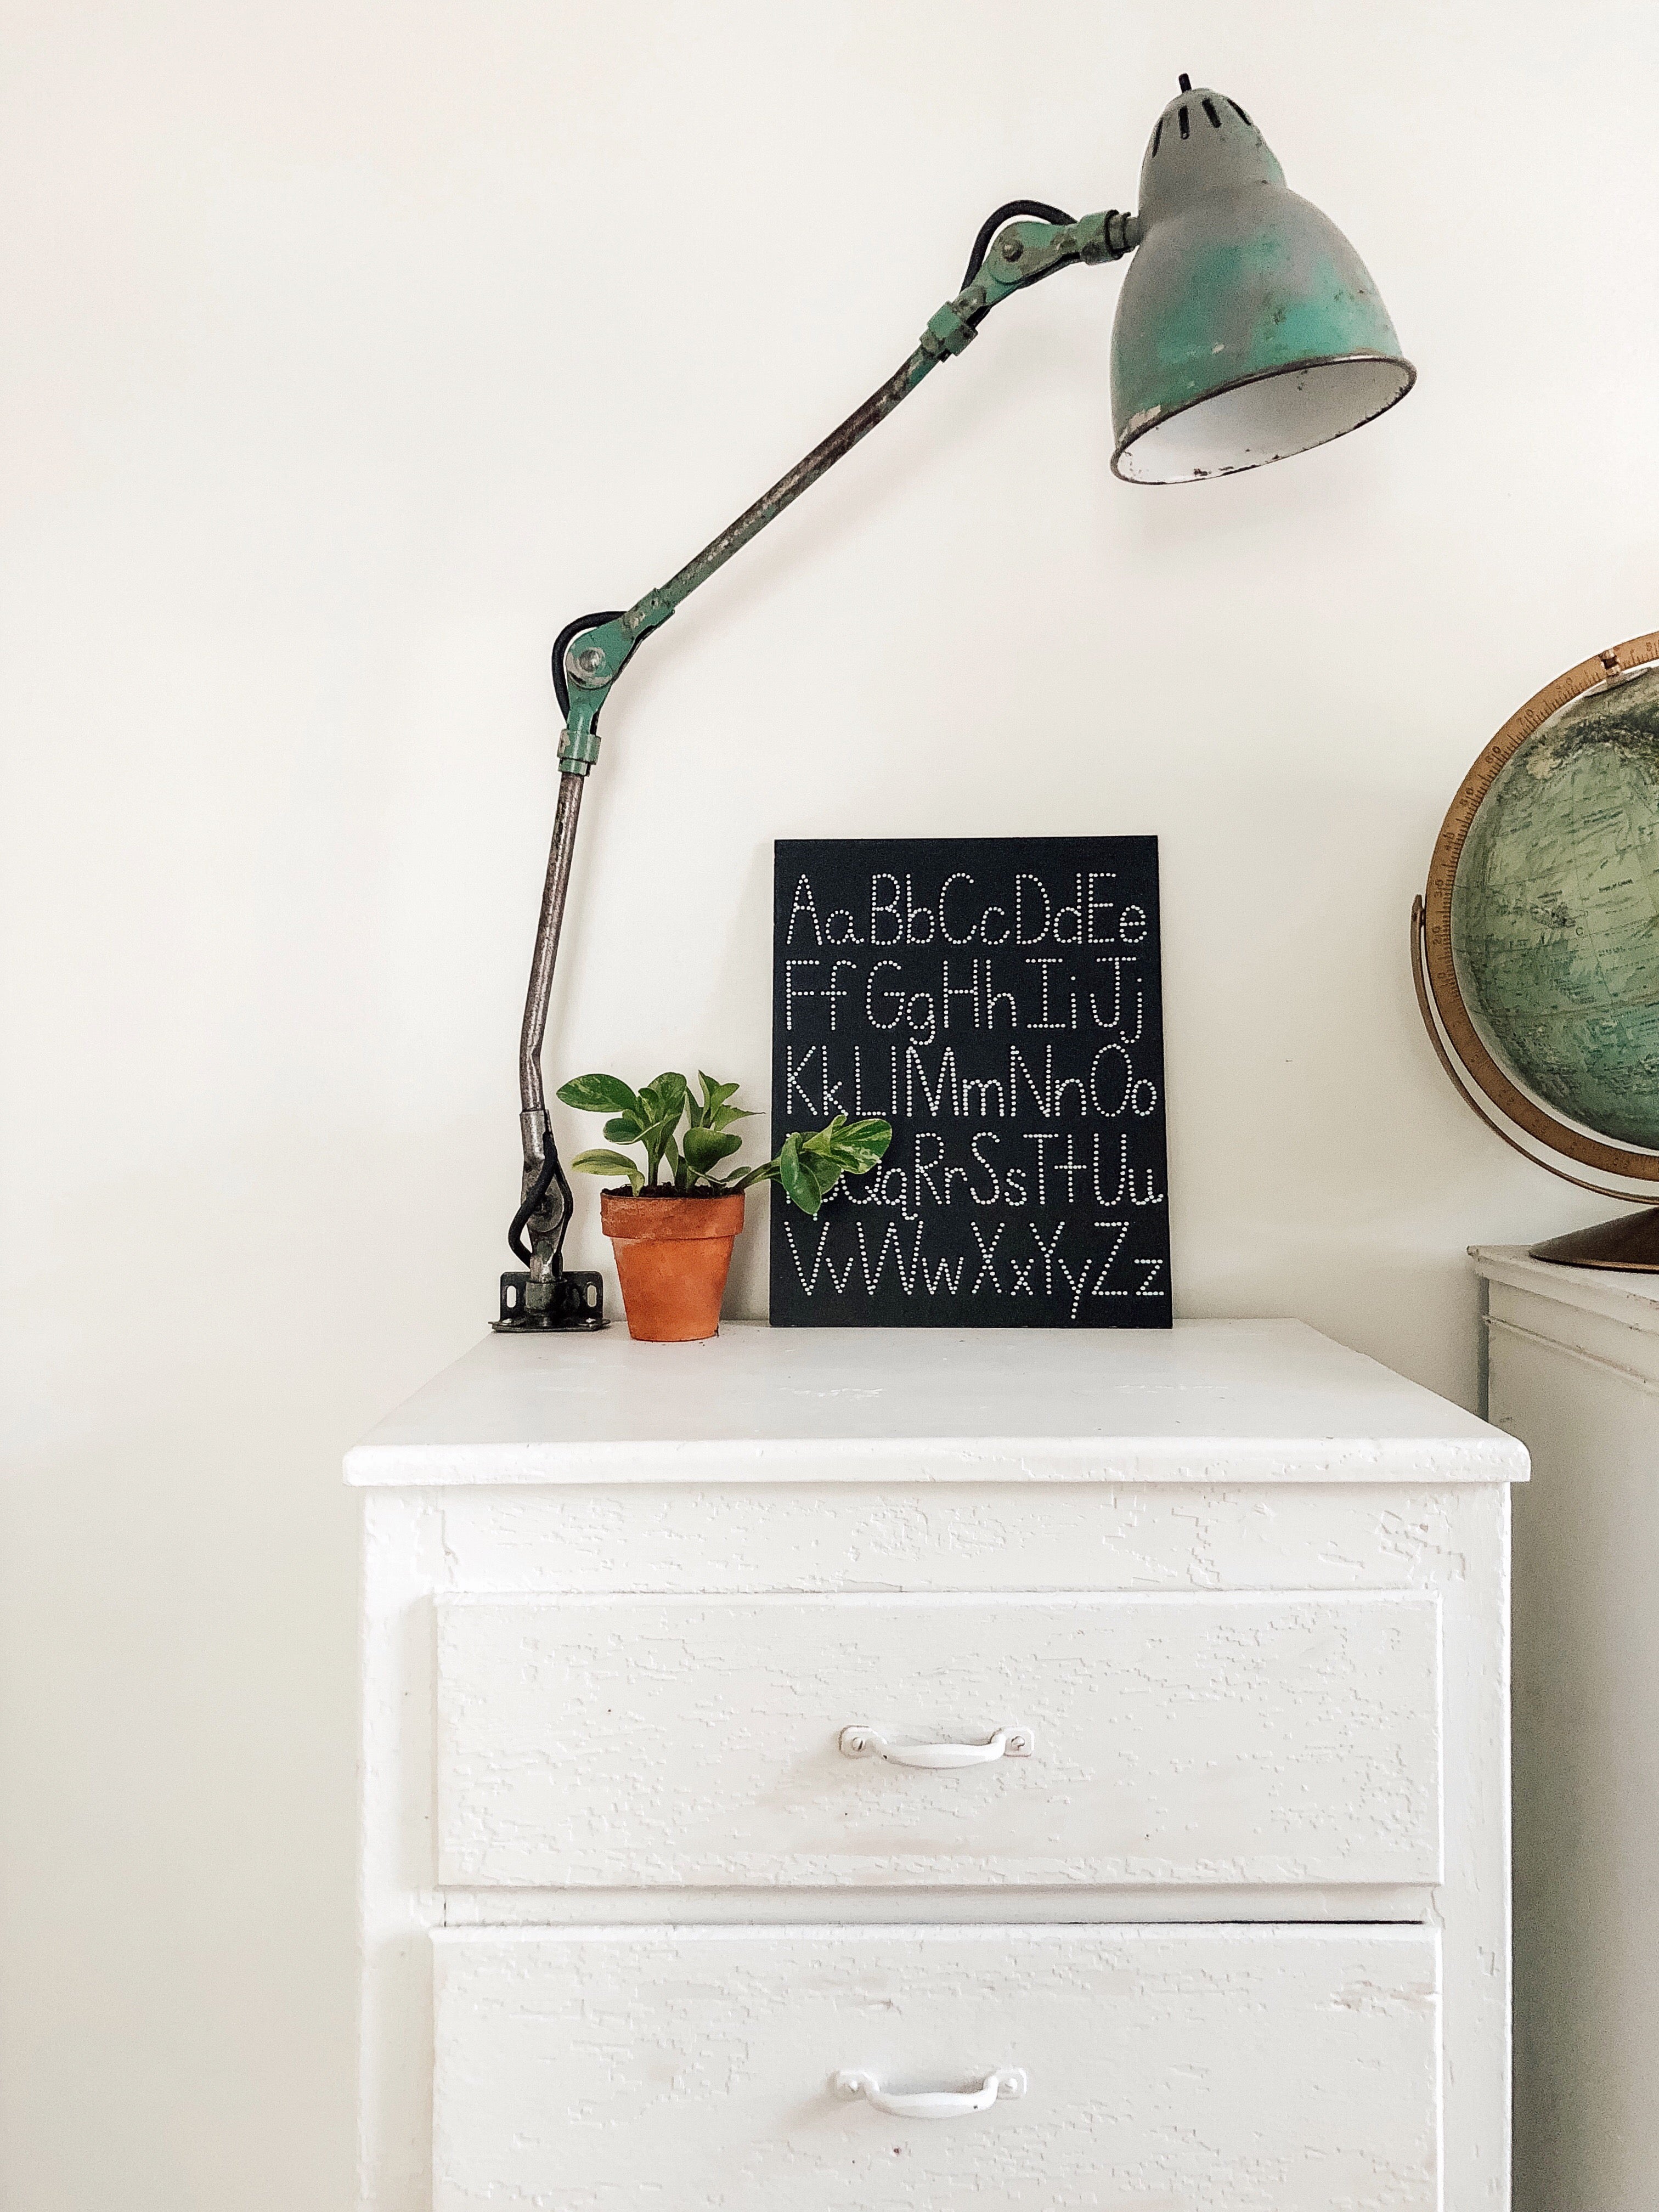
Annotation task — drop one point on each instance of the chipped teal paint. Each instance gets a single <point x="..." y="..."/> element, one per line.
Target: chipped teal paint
<point x="1237" y="279"/>
<point x="1238" y="285"/>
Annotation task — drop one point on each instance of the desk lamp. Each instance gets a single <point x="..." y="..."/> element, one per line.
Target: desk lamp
<point x="1247" y="328"/>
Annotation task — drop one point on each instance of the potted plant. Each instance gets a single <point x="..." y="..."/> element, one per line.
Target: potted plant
<point x="673" y="1237"/>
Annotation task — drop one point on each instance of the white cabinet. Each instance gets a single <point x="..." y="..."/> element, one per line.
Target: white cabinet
<point x="1573" y="1371"/>
<point x="1126" y="1714"/>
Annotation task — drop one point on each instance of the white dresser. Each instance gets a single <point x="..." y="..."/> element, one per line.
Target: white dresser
<point x="1574" y="1371"/>
<point x="887" y="1771"/>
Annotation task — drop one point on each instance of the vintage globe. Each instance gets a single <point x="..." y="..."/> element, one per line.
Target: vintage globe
<point x="1536" y="945"/>
<point x="1555" y="914"/>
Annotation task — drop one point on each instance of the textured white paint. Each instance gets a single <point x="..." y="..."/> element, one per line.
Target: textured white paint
<point x="1205" y="1402"/>
<point x="1179" y="1739"/>
<point x="1575" y="1373"/>
<point x="993" y="1548"/>
<point x="1271" y="2069"/>
<point x="943" y="1536"/>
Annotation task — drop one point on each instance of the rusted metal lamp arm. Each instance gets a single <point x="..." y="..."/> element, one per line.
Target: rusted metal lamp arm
<point x="1021" y="253"/>
<point x="592" y="652"/>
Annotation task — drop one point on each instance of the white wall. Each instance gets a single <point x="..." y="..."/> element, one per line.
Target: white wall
<point x="347" y="350"/>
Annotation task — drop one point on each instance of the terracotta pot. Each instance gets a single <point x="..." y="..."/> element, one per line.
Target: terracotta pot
<point x="672" y="1255"/>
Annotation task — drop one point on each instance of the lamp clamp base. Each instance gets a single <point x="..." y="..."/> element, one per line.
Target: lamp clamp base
<point x="573" y="1299"/>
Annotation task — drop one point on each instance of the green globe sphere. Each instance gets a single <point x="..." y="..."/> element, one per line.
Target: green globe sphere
<point x="1555" y="914"/>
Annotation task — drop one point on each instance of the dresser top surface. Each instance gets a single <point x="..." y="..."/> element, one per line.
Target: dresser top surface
<point x="1209" y="1401"/>
<point x="1615" y="1292"/>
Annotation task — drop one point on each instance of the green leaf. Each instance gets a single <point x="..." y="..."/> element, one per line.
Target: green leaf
<point x="713" y="1112"/>
<point x="604" y="1164"/>
<point x="624" y="1129"/>
<point x="855" y="1147"/>
<point x="704" y="1149"/>
<point x="657" y="1138"/>
<point x="797" y="1177"/>
<point x="871" y="1137"/>
<point x="825" y="1173"/>
<point x="824" y="1140"/>
<point x="662" y="1103"/>
<point x="698" y="1110"/>
<point x="665" y="1095"/>
<point x="812" y="1163"/>
<point x="597" y="1093"/>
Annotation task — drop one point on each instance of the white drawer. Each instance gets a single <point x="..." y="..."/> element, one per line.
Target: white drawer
<point x="1192" y="2070"/>
<point x="1188" y="1738"/>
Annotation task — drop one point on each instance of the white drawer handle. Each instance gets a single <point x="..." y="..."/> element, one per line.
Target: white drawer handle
<point x="933" y="2103"/>
<point x="1007" y="1743"/>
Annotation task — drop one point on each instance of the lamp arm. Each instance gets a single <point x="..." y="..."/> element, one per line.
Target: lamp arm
<point x="1023" y="253"/>
<point x="591" y="653"/>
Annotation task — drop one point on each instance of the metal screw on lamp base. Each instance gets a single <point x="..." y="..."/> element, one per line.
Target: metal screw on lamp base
<point x="573" y="1299"/>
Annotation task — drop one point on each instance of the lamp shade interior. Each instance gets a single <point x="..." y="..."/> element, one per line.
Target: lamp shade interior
<point x="1265" y="417"/>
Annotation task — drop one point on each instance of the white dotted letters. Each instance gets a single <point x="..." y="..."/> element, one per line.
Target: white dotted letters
<point x="998" y="1001"/>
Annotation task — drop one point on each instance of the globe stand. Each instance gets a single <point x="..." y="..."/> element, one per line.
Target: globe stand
<point x="1631" y="1244"/>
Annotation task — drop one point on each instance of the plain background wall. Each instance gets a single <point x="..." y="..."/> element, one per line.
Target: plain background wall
<point x="345" y="351"/>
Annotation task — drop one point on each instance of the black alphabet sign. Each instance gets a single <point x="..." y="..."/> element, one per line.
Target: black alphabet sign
<point x="998" y="999"/>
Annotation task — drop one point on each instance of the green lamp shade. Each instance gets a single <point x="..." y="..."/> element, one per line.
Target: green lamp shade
<point x="1248" y="328"/>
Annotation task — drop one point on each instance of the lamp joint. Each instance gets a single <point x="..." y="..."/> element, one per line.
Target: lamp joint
<point x="579" y="749"/>
<point x="948" y="332"/>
